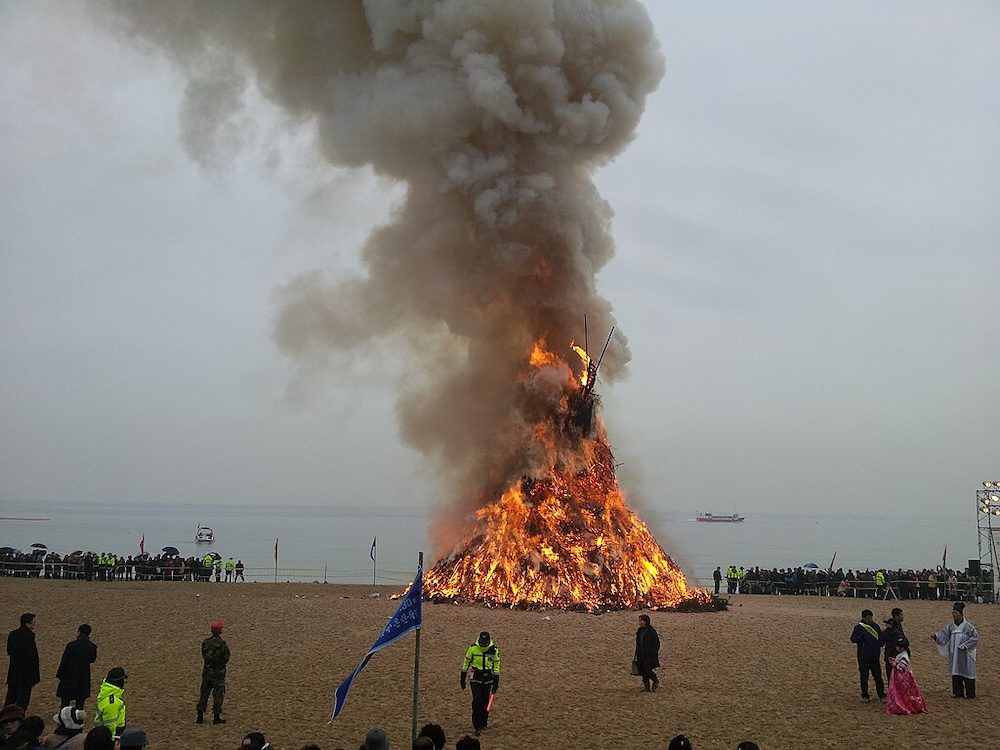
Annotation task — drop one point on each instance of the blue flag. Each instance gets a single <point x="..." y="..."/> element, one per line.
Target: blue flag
<point x="405" y="619"/>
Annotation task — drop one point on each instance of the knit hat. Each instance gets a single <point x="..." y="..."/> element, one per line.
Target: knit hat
<point x="13" y="711"/>
<point x="216" y="626"/>
<point x="254" y="741"/>
<point x="133" y="737"/>
<point x="958" y="607"/>
<point x="376" y="739"/>
<point x="70" y="718"/>
<point x="680" y="742"/>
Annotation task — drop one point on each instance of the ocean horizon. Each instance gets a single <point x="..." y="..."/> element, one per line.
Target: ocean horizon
<point x="333" y="543"/>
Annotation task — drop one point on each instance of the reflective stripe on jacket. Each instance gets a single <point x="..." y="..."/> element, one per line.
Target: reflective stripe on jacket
<point x="110" y="708"/>
<point x="484" y="661"/>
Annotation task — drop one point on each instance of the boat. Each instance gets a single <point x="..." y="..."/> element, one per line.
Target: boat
<point x="712" y="518"/>
<point x="205" y="534"/>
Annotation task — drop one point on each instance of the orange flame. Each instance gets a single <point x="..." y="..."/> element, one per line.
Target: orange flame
<point x="586" y="362"/>
<point x="540" y="356"/>
<point x="567" y="540"/>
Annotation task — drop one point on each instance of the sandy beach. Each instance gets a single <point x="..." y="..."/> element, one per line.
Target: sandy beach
<point x="778" y="670"/>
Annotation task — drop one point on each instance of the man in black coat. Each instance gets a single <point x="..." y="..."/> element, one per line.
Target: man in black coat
<point x="22" y="674"/>
<point x="890" y="636"/>
<point x="647" y="653"/>
<point x="868" y="638"/>
<point x="74" y="669"/>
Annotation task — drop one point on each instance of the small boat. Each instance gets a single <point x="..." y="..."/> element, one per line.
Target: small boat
<point x="712" y="518"/>
<point x="205" y="534"/>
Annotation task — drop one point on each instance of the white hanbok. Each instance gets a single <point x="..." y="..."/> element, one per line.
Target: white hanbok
<point x="959" y="643"/>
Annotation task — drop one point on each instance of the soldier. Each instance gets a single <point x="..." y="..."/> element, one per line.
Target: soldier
<point x="215" y="652"/>
<point x="483" y="658"/>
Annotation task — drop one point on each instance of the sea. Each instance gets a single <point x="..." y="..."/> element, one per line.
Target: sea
<point x="334" y="544"/>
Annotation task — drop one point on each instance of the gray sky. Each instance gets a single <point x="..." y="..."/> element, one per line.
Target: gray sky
<point x="808" y="272"/>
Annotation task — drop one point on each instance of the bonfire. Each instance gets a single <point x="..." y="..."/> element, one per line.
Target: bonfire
<point x="565" y="538"/>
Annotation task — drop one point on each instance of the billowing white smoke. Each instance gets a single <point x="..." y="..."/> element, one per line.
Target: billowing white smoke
<point x="493" y="113"/>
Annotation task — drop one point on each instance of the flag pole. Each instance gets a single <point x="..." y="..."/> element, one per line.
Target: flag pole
<point x="275" y="559"/>
<point x="416" y="666"/>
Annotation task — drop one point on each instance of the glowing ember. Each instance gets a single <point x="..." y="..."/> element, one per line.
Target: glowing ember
<point x="565" y="540"/>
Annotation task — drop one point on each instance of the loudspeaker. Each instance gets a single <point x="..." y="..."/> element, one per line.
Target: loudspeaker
<point x="974" y="567"/>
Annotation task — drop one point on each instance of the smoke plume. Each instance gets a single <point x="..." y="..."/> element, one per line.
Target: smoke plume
<point x="494" y="114"/>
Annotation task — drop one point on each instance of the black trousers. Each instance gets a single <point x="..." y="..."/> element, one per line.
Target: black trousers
<point x="875" y="669"/>
<point x="18" y="694"/>
<point x="717" y="586"/>
<point x="480" y="698"/>
<point x="963" y="687"/>
<point x="648" y="676"/>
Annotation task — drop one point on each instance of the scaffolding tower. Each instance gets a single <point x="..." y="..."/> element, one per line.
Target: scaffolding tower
<point x="988" y="533"/>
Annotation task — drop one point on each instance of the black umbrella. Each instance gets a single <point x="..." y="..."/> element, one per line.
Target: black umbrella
<point x="7" y="550"/>
<point x="77" y="552"/>
<point x="171" y="550"/>
<point x="215" y="555"/>
<point x="38" y="545"/>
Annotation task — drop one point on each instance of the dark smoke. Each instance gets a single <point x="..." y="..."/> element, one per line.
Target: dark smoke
<point x="494" y="113"/>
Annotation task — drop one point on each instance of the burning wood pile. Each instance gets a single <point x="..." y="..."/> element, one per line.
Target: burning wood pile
<point x="565" y="538"/>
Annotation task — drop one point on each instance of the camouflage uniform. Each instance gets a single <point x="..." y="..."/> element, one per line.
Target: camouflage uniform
<point x="215" y="652"/>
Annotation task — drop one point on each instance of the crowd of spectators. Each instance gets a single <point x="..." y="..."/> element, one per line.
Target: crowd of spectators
<point x="107" y="566"/>
<point x="930" y="584"/>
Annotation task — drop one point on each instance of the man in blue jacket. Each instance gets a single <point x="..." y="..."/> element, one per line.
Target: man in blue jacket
<point x="868" y="638"/>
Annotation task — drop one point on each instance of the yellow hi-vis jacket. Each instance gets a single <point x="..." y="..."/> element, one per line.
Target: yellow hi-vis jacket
<point x="484" y="661"/>
<point x="230" y="565"/>
<point x="110" y="708"/>
<point x="879" y="578"/>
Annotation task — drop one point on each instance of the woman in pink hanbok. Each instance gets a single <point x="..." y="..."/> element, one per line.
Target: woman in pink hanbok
<point x="904" y="694"/>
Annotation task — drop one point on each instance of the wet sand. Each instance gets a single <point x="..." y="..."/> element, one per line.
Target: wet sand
<point x="778" y="670"/>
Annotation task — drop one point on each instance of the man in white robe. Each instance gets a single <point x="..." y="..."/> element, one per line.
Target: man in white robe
<point x="959" y="641"/>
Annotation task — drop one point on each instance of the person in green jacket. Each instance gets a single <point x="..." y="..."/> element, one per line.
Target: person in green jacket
<point x="483" y="658"/>
<point x="111" y="702"/>
<point x="215" y="654"/>
<point x="230" y="567"/>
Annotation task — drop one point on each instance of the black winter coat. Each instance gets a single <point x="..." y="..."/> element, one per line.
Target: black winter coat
<point x="23" y="653"/>
<point x="647" y="647"/>
<point x="74" y="668"/>
<point x="893" y="631"/>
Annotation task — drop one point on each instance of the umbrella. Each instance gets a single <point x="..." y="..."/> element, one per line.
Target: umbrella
<point x="38" y="545"/>
<point x="7" y="550"/>
<point x="171" y="550"/>
<point x="77" y="552"/>
<point x="810" y="565"/>
<point x="215" y="555"/>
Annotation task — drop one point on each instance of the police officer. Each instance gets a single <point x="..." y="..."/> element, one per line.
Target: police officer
<point x="111" y="702"/>
<point x="215" y="652"/>
<point x="731" y="577"/>
<point x="230" y="567"/>
<point x="483" y="658"/>
<point x="207" y="563"/>
<point x="880" y="584"/>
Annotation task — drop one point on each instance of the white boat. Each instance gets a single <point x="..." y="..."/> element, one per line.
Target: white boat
<point x="205" y="534"/>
